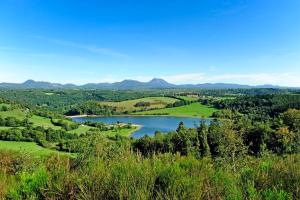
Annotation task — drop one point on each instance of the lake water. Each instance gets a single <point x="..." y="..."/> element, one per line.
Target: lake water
<point x="149" y="124"/>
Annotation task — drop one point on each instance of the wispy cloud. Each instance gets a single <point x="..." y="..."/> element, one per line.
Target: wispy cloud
<point x="90" y="48"/>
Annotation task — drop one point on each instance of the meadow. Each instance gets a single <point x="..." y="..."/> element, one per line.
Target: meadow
<point x="42" y="121"/>
<point x="194" y="109"/>
<point x="27" y="147"/>
<point x="126" y="132"/>
<point x="129" y="105"/>
<point x="189" y="98"/>
<point x="46" y="123"/>
<point x="17" y="113"/>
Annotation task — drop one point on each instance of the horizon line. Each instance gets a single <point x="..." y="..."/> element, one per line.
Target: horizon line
<point x="154" y="78"/>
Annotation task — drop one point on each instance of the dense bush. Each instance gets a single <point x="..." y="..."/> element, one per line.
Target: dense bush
<point x="13" y="122"/>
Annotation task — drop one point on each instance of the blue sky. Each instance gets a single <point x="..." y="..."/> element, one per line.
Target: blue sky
<point x="183" y="41"/>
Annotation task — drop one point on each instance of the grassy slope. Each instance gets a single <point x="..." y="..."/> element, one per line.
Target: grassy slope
<point x="81" y="129"/>
<point x="194" y="109"/>
<point x="189" y="98"/>
<point x="42" y="121"/>
<point x="156" y="102"/>
<point x="21" y="115"/>
<point x="46" y="123"/>
<point x="123" y="132"/>
<point x="28" y="147"/>
<point x="17" y="113"/>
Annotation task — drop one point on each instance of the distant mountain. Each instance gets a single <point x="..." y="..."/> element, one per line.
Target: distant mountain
<point x="31" y="84"/>
<point x="155" y="83"/>
<point x="160" y="83"/>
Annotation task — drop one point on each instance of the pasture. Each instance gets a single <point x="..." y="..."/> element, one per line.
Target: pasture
<point x="17" y="113"/>
<point x="189" y="98"/>
<point x="194" y="109"/>
<point x="129" y="105"/>
<point x="27" y="147"/>
<point x="42" y="121"/>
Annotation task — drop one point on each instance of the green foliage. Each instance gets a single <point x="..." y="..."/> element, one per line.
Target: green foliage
<point x="30" y="186"/>
<point x="262" y="107"/>
<point x="123" y="174"/>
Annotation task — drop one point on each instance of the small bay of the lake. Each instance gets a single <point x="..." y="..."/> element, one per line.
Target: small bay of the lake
<point x="149" y="124"/>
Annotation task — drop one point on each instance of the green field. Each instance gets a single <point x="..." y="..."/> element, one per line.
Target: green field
<point x="122" y="132"/>
<point x="155" y="103"/>
<point x="81" y="129"/>
<point x="17" y="113"/>
<point x="46" y="123"/>
<point x="189" y="98"/>
<point x="27" y="147"/>
<point x="36" y="120"/>
<point x="42" y="121"/>
<point x="194" y="109"/>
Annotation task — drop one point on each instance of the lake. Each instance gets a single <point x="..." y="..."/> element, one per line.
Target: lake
<point x="149" y="124"/>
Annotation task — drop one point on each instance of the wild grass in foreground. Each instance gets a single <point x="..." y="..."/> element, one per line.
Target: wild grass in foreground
<point x="113" y="172"/>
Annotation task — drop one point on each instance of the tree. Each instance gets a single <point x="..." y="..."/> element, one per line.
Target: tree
<point x="282" y="140"/>
<point x="4" y="108"/>
<point x="226" y="142"/>
<point x="292" y="118"/>
<point x="258" y="137"/>
<point x="184" y="139"/>
<point x="202" y="138"/>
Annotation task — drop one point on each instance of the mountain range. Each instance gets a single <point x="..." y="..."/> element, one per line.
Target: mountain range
<point x="155" y="83"/>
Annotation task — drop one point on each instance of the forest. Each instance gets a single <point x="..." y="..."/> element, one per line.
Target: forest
<point x="249" y="150"/>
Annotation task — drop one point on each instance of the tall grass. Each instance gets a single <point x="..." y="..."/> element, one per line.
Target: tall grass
<point x="123" y="174"/>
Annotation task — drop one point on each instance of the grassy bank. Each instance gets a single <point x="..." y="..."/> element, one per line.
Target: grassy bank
<point x="126" y="132"/>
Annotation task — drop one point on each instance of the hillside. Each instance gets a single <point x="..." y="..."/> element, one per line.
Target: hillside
<point x="140" y="104"/>
<point x="23" y="130"/>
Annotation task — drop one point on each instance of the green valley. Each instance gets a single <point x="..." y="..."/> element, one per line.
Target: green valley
<point x="248" y="150"/>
